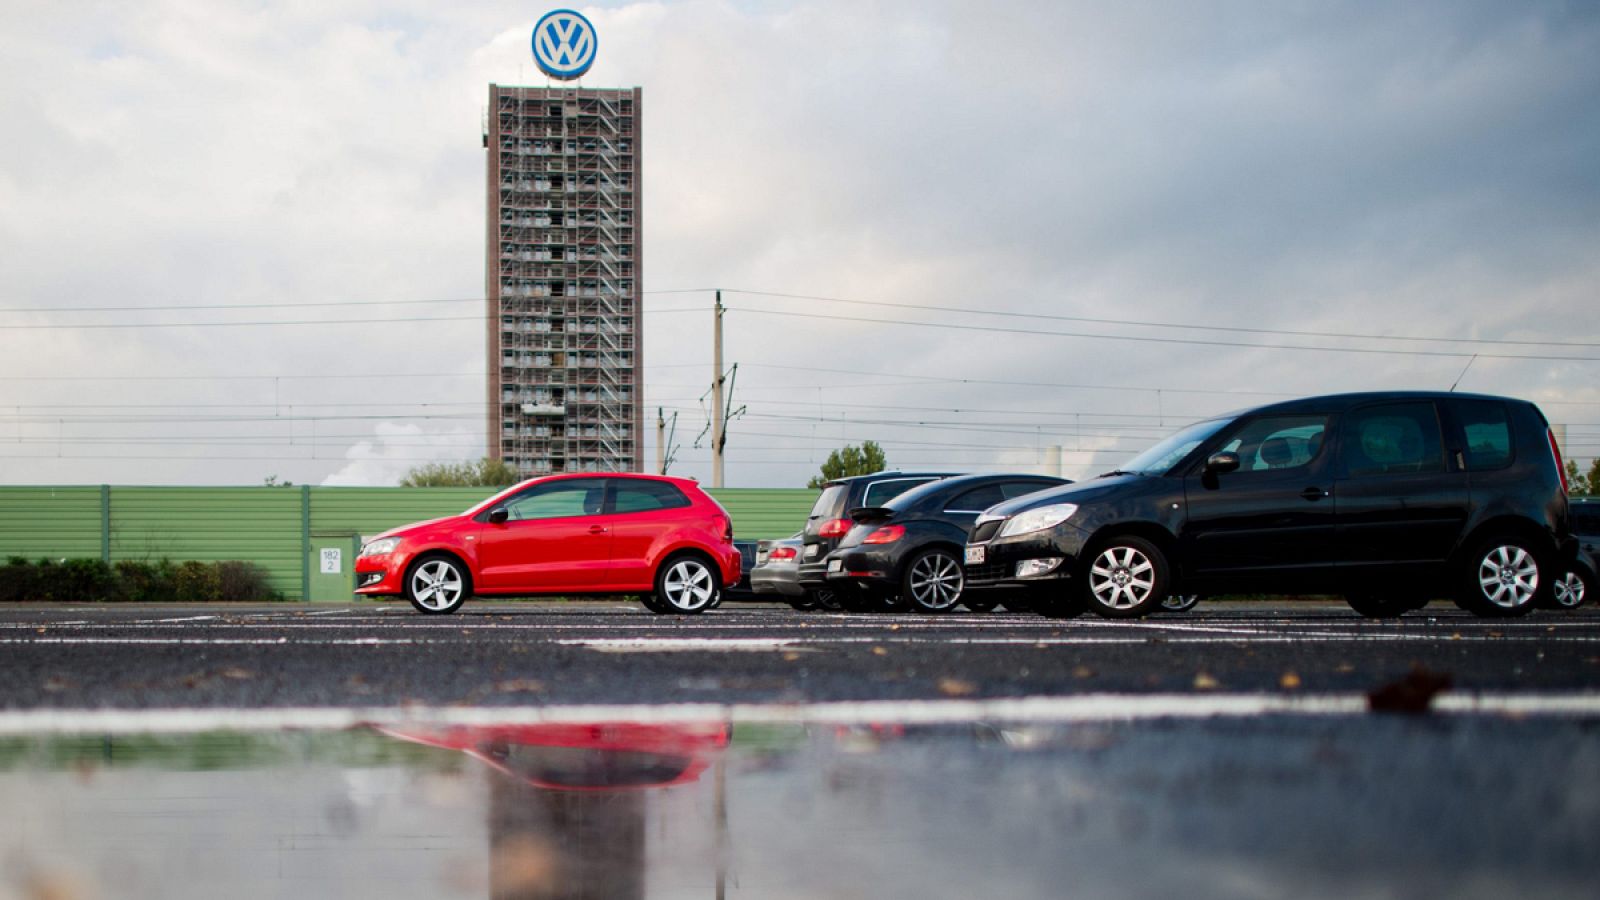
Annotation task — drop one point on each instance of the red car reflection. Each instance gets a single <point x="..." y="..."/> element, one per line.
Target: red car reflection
<point x="594" y="757"/>
<point x="616" y="533"/>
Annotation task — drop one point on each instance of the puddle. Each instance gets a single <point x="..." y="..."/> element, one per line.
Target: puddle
<point x="1270" y="806"/>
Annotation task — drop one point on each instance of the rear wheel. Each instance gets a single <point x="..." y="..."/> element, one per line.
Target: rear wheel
<point x="437" y="584"/>
<point x="805" y="602"/>
<point x="1126" y="578"/>
<point x="1503" y="577"/>
<point x="933" y="581"/>
<point x="1571" y="589"/>
<point x="1179" y="602"/>
<point x="687" y="585"/>
<point x="828" y="599"/>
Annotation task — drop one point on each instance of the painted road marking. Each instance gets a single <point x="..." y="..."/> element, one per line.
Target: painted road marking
<point x="1025" y="710"/>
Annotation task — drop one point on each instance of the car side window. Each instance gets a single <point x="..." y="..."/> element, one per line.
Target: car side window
<point x="1393" y="439"/>
<point x="881" y="492"/>
<point x="645" y="496"/>
<point x="1018" y="488"/>
<point x="558" y="499"/>
<point x="976" y="500"/>
<point x="1585" y="519"/>
<point x="1487" y="428"/>
<point x="1274" y="443"/>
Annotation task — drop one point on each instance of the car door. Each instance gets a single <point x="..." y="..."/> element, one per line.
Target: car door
<point x="554" y="538"/>
<point x="1402" y="501"/>
<point x="1269" y="523"/>
<point x="641" y="514"/>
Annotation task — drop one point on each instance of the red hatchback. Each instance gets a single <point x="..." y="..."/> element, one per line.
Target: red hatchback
<point x="586" y="533"/>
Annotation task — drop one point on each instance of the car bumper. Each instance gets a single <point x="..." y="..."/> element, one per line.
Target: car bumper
<point x="380" y="576"/>
<point x="1002" y="556"/>
<point x="784" y="581"/>
<point x="861" y="567"/>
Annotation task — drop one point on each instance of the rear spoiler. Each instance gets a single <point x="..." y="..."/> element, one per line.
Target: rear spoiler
<point x="867" y="514"/>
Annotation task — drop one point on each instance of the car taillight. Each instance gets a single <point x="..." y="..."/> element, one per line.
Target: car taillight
<point x="727" y="529"/>
<point x="834" y="528"/>
<point x="885" y="535"/>
<point x="783" y="553"/>
<point x="1555" y="453"/>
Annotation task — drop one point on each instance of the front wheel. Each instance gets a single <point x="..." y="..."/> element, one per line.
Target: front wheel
<point x="933" y="581"/>
<point x="688" y="585"/>
<point x="437" y="584"/>
<point x="1503" y="578"/>
<point x="1127" y="578"/>
<point x="1376" y="605"/>
<point x="805" y="602"/>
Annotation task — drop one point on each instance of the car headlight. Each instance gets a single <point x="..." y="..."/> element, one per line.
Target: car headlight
<point x="1038" y="519"/>
<point x="380" y="547"/>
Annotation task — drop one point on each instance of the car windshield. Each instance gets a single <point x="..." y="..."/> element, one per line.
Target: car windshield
<point x="1158" y="460"/>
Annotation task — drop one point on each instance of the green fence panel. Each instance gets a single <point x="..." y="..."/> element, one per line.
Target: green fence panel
<point x="765" y="513"/>
<point x="256" y="524"/>
<point x="50" y="522"/>
<point x="367" y="511"/>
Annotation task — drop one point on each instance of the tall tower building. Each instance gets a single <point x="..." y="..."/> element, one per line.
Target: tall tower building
<point x="564" y="279"/>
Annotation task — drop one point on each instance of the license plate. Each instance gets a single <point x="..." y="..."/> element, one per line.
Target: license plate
<point x="835" y="565"/>
<point x="811" y="550"/>
<point x="975" y="555"/>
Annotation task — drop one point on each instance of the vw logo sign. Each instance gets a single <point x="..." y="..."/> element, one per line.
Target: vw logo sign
<point x="564" y="44"/>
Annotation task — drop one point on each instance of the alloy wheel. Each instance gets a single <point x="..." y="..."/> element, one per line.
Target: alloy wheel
<point x="688" y="586"/>
<point x="1122" y="577"/>
<point x="1570" y="590"/>
<point x="934" y="582"/>
<point x="1508" y="576"/>
<point x="437" y="585"/>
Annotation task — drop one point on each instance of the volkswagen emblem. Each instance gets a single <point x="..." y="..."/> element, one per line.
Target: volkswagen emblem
<point x="564" y="44"/>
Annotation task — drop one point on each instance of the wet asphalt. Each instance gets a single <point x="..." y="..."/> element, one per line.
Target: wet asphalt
<point x="616" y="652"/>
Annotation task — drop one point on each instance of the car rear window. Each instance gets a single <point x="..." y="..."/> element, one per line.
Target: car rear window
<point x="1487" y="427"/>
<point x="831" y="503"/>
<point x="881" y="492"/>
<point x="976" y="500"/>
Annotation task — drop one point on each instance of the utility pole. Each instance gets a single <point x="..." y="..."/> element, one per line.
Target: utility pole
<point x="719" y="424"/>
<point x="661" y="442"/>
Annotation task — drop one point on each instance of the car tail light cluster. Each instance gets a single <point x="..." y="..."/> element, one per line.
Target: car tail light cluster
<point x="1555" y="452"/>
<point x="834" y="528"/>
<point x="783" y="553"/>
<point x="727" y="529"/>
<point x="886" y="535"/>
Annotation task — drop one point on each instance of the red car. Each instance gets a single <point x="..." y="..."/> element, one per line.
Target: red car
<point x="660" y="537"/>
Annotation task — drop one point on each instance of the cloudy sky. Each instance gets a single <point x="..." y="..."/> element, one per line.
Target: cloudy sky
<point x="1001" y="227"/>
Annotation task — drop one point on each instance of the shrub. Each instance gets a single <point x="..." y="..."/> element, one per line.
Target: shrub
<point x="145" y="582"/>
<point x="86" y="581"/>
<point x="243" y="581"/>
<point x="195" y="582"/>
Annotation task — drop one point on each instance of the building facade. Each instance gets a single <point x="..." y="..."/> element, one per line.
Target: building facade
<point x="564" y="279"/>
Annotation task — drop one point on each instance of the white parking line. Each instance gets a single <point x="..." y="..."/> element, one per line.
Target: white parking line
<point x="1026" y="710"/>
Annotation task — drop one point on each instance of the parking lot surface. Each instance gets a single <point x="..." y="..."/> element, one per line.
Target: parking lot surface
<point x="616" y="653"/>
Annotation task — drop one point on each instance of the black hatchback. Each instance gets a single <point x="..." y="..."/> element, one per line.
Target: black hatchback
<point x="1387" y="498"/>
<point x="830" y="515"/>
<point x="910" y="548"/>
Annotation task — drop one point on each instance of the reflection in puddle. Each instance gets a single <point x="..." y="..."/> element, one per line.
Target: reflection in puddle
<point x="1274" y="806"/>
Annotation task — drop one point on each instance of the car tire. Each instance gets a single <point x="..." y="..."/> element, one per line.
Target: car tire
<point x="653" y="604"/>
<point x="437" y="584"/>
<point x="1571" y="589"/>
<point x="687" y="585"/>
<point x="932" y="581"/>
<point x="1378" y="605"/>
<point x="828" y="599"/>
<point x="805" y="602"/>
<point x="1179" y="603"/>
<point x="1125" y="578"/>
<point x="1504" y="577"/>
<point x="856" y="600"/>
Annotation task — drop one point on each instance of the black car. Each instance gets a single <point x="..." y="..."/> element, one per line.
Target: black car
<point x="830" y="515"/>
<point x="910" y="547"/>
<point x="1387" y="498"/>
<point x="1577" y="583"/>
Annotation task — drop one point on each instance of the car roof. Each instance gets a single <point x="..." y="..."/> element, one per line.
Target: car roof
<point x="1335" y="403"/>
<point x="958" y="483"/>
<point x="886" y="475"/>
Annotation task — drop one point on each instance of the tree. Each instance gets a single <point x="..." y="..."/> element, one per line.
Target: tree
<point x="852" y="460"/>
<point x="485" y="472"/>
<point x="1583" y="485"/>
<point x="272" y="481"/>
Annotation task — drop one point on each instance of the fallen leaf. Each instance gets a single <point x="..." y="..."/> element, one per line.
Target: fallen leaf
<point x="790" y="656"/>
<point x="1082" y="672"/>
<point x="955" y="687"/>
<point x="1289" y="681"/>
<point x="518" y="685"/>
<point x="237" y="674"/>
<point x="1412" y="694"/>
<point x="1204" y="682"/>
<point x="879" y="651"/>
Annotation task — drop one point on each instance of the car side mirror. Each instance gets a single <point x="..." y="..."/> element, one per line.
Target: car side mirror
<point x="498" y="515"/>
<point x="1218" y="463"/>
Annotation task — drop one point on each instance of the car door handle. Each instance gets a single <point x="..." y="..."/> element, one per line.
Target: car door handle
<point x="1313" y="493"/>
<point x="597" y="529"/>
